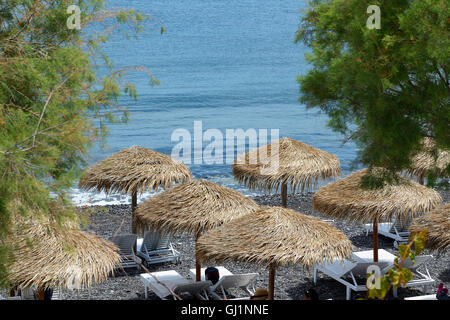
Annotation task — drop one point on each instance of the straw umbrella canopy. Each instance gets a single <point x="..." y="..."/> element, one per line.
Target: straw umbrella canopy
<point x="437" y="225"/>
<point x="63" y="256"/>
<point x="284" y="163"/>
<point x="344" y="199"/>
<point x="426" y="160"/>
<point x="275" y="236"/>
<point x="134" y="170"/>
<point x="193" y="207"/>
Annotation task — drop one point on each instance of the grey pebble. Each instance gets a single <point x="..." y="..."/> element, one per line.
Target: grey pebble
<point x="290" y="283"/>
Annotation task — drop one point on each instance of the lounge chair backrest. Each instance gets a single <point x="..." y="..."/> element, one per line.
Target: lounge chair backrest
<point x="151" y="239"/>
<point x="237" y="280"/>
<point x="125" y="243"/>
<point x="27" y="293"/>
<point x="154" y="240"/>
<point x="10" y="298"/>
<point x="420" y="260"/>
<point x="360" y="270"/>
<point x="337" y="268"/>
<point x="192" y="288"/>
<point x="164" y="240"/>
<point x="401" y="224"/>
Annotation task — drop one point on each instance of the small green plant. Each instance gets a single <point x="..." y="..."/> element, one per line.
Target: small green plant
<point x="399" y="275"/>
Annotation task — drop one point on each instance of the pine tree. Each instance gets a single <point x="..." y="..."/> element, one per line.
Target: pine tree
<point x="385" y="88"/>
<point x="50" y="94"/>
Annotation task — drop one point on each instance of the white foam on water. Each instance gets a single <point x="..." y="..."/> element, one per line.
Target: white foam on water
<point x="93" y="198"/>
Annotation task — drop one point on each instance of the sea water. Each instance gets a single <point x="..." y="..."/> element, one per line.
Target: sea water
<point x="229" y="64"/>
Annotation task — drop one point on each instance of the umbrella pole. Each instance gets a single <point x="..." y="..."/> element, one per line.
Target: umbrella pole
<point x="284" y="195"/>
<point x="133" y="208"/>
<point x="421" y="180"/>
<point x="271" y="281"/>
<point x="197" y="263"/>
<point x="375" y="240"/>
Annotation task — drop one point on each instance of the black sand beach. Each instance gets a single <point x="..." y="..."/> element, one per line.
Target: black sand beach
<point x="290" y="282"/>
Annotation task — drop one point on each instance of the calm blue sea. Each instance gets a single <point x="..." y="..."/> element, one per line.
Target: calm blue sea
<point x="230" y="64"/>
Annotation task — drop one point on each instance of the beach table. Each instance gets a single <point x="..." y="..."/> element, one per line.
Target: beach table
<point x="222" y="272"/>
<point x="367" y="256"/>
<point x="170" y="278"/>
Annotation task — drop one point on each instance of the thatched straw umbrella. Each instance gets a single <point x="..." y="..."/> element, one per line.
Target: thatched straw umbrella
<point x="134" y="170"/>
<point x="437" y="225"/>
<point x="427" y="160"/>
<point x="62" y="256"/>
<point x="193" y="207"/>
<point x="284" y="163"/>
<point x="275" y="236"/>
<point x="344" y="199"/>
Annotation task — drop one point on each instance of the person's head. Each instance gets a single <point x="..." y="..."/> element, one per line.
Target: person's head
<point x="212" y="274"/>
<point x="311" y="294"/>
<point x="260" y="294"/>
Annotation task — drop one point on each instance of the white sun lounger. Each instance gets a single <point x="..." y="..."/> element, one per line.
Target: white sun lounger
<point x="419" y="278"/>
<point x="243" y="281"/>
<point x="126" y="244"/>
<point x="425" y="297"/>
<point x="222" y="272"/>
<point x="367" y="256"/>
<point x="342" y="271"/>
<point x="157" y="248"/>
<point x="176" y="282"/>
<point x="57" y="294"/>
<point x="11" y="298"/>
<point x="396" y="230"/>
<point x="229" y="280"/>
<point x="27" y="293"/>
<point x="197" y="289"/>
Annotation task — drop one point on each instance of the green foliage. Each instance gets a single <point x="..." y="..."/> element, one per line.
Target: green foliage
<point x="386" y="89"/>
<point x="400" y="276"/>
<point x="50" y="95"/>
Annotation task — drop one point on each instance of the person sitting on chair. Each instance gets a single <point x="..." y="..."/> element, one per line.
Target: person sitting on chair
<point x="212" y="274"/>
